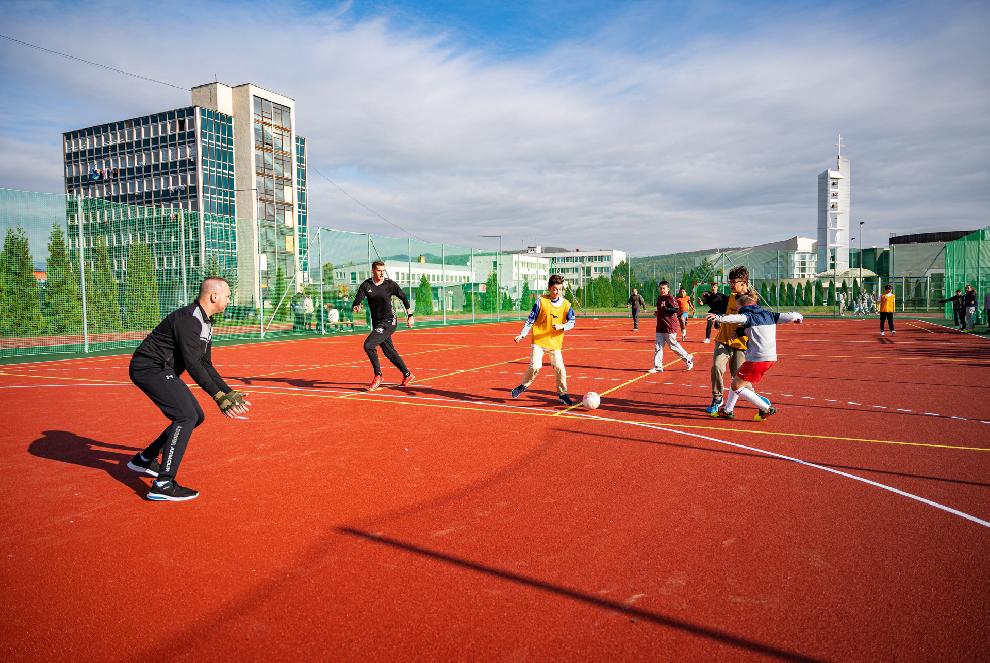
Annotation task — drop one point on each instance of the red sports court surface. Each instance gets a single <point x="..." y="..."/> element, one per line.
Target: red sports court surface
<point x="446" y="521"/>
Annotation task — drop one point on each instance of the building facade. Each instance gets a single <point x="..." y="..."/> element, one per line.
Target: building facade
<point x="579" y="267"/>
<point x="834" y="207"/>
<point x="220" y="184"/>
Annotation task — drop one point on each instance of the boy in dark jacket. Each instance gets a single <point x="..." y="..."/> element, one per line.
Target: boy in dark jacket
<point x="716" y="303"/>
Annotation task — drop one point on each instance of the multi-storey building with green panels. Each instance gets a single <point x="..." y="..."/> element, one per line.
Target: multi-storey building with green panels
<point x="219" y="184"/>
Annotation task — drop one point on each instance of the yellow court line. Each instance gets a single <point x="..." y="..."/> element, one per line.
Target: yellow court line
<point x="499" y="409"/>
<point x="911" y="324"/>
<point x="468" y="370"/>
<point x="619" y="386"/>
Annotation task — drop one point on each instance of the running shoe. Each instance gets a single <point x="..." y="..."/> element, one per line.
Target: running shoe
<point x="726" y="414"/>
<point x="656" y="369"/>
<point x="708" y="340"/>
<point x="714" y="407"/>
<point x="142" y="466"/>
<point x="566" y="399"/>
<point x="517" y="392"/>
<point x="170" y="491"/>
<point x="690" y="364"/>
<point x="883" y="333"/>
<point x="376" y="383"/>
<point x="763" y="415"/>
<point x="408" y="379"/>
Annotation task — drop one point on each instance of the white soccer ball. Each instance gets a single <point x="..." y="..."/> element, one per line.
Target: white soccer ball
<point x="592" y="400"/>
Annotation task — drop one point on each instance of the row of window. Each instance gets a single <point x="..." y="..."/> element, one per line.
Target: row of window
<point x="175" y="129"/>
<point x="270" y="111"/>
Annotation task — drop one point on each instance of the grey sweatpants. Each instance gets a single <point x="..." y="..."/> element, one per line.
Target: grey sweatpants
<point x="724" y="357"/>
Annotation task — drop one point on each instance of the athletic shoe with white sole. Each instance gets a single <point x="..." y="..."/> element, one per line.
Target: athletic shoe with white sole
<point x="170" y="491"/>
<point x="408" y="379"/>
<point x="142" y="466"/>
<point x="376" y="383"/>
<point x="656" y="370"/>
<point x="689" y="365"/>
<point x="517" y="392"/>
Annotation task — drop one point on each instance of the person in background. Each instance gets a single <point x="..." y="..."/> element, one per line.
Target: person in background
<point x="667" y="324"/>
<point x="969" y="307"/>
<point x="637" y="302"/>
<point x="716" y="302"/>
<point x="550" y="317"/>
<point x="957" y="308"/>
<point x="887" y="309"/>
<point x="684" y="307"/>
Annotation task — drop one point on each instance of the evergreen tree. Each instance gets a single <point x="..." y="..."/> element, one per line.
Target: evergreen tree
<point x="603" y="292"/>
<point x="855" y="288"/>
<point x="284" y="309"/>
<point x="489" y="298"/>
<point x="809" y="297"/>
<point x="63" y="302"/>
<point x="20" y="301"/>
<point x="845" y="291"/>
<point x="424" y="297"/>
<point x="141" y="310"/>
<point x="819" y="293"/>
<point x="765" y="294"/>
<point x="102" y="292"/>
<point x="619" y="286"/>
<point x="526" y="300"/>
<point x="789" y="295"/>
<point x="799" y="295"/>
<point x="831" y="293"/>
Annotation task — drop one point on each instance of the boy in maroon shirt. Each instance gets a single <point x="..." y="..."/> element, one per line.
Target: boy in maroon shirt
<point x="667" y="326"/>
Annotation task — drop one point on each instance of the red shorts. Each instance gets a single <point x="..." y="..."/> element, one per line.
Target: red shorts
<point x="753" y="371"/>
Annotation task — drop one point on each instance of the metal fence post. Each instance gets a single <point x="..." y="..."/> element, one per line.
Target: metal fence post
<point x="319" y="244"/>
<point x="82" y="273"/>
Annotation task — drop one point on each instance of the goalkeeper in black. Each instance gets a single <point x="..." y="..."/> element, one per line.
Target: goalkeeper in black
<point x="181" y="342"/>
<point x="379" y="291"/>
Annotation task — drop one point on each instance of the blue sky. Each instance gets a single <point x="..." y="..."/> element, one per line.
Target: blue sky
<point x="651" y="127"/>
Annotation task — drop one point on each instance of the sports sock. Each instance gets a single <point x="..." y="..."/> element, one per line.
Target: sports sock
<point x="730" y="400"/>
<point x="753" y="398"/>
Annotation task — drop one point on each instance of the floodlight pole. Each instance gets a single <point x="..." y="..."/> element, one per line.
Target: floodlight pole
<point x="861" y="253"/>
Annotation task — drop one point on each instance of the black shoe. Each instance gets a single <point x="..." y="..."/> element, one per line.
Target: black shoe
<point x="566" y="399"/>
<point x="142" y="466"/>
<point x="517" y="392"/>
<point x="170" y="491"/>
<point x="763" y="415"/>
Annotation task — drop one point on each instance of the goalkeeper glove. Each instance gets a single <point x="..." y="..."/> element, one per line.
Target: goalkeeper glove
<point x="229" y="400"/>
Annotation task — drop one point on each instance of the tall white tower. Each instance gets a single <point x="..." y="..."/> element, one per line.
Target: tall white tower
<point x="833" y="214"/>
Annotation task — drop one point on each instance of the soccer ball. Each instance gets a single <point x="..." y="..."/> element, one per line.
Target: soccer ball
<point x="592" y="400"/>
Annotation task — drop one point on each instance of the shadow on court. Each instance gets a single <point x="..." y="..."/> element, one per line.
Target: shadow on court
<point x="68" y="447"/>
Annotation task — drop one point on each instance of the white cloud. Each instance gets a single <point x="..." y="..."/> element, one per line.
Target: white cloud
<point x="672" y="145"/>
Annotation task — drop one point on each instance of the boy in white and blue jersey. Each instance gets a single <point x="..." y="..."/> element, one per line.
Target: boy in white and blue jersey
<point x="760" y="325"/>
<point x="550" y="317"/>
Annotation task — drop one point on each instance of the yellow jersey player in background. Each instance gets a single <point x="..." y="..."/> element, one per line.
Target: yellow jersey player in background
<point x="551" y="316"/>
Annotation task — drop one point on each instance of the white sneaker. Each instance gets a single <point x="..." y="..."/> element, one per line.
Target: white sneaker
<point x="708" y="340"/>
<point x="893" y="333"/>
<point x="883" y="333"/>
<point x="656" y="370"/>
<point x="690" y="365"/>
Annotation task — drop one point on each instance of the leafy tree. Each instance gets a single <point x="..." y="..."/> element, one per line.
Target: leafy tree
<point x="789" y="295"/>
<point x="63" y="302"/>
<point x="799" y="295"/>
<point x="507" y="303"/>
<point x="424" y="297"/>
<point x="809" y="297"/>
<point x="20" y="301"/>
<point x="141" y="310"/>
<point x="102" y="292"/>
<point x="602" y="292"/>
<point x="526" y="299"/>
<point x="765" y="294"/>
<point x="819" y="293"/>
<point x="831" y="293"/>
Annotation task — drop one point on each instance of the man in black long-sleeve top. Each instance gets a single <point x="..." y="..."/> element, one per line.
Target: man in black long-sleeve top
<point x="958" y="314"/>
<point x="717" y="304"/>
<point x="379" y="291"/>
<point x="181" y="342"/>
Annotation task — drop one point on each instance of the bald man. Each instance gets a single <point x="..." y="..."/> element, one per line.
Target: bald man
<point x="180" y="343"/>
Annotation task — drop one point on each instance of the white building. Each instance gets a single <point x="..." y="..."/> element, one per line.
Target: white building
<point x="577" y="266"/>
<point x="514" y="269"/>
<point x="834" y="204"/>
<point x="270" y="184"/>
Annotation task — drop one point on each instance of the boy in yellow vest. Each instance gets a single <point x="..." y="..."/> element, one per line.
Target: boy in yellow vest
<point x="887" y="309"/>
<point x="730" y="348"/>
<point x="551" y="316"/>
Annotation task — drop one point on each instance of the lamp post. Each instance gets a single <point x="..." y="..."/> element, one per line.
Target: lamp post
<point x="861" y="254"/>
<point x="498" y="277"/>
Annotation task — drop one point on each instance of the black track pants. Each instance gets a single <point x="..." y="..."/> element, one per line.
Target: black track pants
<point x="176" y="402"/>
<point x="381" y="334"/>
